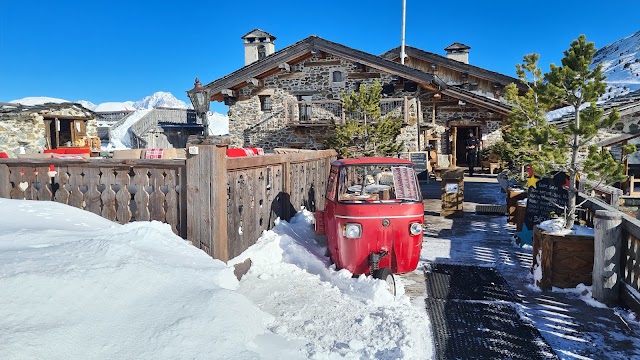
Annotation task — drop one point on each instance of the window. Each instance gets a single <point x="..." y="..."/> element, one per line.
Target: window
<point x="262" y="52"/>
<point x="265" y="102"/>
<point x="337" y="76"/>
<point x="304" y="109"/>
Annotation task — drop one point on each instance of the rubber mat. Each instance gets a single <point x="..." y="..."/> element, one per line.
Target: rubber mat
<point x="445" y="281"/>
<point x="491" y="209"/>
<point x="473" y="316"/>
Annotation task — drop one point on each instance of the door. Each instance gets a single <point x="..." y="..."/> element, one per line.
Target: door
<point x="462" y="134"/>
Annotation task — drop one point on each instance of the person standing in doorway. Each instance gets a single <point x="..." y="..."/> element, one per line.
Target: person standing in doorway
<point x="471" y="144"/>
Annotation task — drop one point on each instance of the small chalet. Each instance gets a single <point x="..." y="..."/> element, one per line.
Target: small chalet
<point x="34" y="128"/>
<point x="291" y="97"/>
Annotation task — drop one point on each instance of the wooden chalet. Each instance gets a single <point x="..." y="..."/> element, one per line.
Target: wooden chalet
<point x="291" y="97"/>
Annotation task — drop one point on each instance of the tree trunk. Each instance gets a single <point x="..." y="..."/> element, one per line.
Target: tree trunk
<point x="573" y="174"/>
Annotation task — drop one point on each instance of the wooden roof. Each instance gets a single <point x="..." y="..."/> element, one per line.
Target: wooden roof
<point x="619" y="139"/>
<point x="302" y="50"/>
<point x="455" y="65"/>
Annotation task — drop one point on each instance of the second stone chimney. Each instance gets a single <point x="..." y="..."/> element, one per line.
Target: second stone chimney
<point x="258" y="45"/>
<point x="458" y="52"/>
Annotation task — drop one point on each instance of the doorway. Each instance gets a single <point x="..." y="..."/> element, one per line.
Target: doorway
<point x="462" y="133"/>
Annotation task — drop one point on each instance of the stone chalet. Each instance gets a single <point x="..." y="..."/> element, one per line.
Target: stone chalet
<point x="291" y="97"/>
<point x="34" y="128"/>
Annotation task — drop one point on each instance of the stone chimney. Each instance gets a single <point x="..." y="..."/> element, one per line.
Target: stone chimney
<point x="258" y="45"/>
<point x="458" y="52"/>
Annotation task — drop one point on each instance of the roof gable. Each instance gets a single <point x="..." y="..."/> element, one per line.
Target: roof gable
<point x="304" y="49"/>
<point x="453" y="65"/>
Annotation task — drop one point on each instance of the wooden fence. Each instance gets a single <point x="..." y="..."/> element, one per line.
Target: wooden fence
<point x="220" y="204"/>
<point x="627" y="261"/>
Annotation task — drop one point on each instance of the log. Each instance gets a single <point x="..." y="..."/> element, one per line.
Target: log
<point x="607" y="256"/>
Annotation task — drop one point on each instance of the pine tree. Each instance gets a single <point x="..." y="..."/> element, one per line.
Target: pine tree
<point x="529" y="137"/>
<point x="578" y="85"/>
<point x="546" y="147"/>
<point x="365" y="132"/>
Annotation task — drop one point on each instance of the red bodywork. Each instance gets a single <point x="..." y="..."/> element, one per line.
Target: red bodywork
<point x="385" y="224"/>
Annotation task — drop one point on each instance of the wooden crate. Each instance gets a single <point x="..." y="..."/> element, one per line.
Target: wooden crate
<point x="566" y="260"/>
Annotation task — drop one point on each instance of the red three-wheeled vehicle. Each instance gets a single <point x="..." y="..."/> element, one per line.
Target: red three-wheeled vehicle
<point x="373" y="217"/>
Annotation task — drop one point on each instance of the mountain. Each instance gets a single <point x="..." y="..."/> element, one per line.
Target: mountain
<point x="158" y="99"/>
<point x="620" y="62"/>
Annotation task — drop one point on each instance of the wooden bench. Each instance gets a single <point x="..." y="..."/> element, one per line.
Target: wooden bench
<point x="492" y="163"/>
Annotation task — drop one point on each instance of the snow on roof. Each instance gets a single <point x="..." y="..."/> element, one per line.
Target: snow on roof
<point x="38" y="100"/>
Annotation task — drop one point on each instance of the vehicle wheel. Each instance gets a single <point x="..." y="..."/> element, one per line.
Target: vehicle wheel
<point x="386" y="275"/>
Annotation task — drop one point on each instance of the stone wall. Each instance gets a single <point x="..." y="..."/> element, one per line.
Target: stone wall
<point x="27" y="130"/>
<point x="22" y="131"/>
<point x="249" y="126"/>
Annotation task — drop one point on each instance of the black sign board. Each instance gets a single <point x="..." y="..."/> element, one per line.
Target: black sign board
<point x="549" y="195"/>
<point x="420" y="163"/>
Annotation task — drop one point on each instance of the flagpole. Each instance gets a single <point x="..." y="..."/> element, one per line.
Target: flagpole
<point x="404" y="15"/>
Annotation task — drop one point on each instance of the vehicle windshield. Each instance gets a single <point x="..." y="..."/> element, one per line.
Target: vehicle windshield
<point x="378" y="183"/>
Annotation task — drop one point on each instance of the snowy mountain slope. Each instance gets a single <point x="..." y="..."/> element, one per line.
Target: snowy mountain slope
<point x="621" y="64"/>
<point x="160" y="99"/>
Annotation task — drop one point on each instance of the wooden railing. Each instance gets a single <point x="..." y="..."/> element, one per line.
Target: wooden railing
<point x="628" y="261"/>
<point x="328" y="112"/>
<point x="220" y="204"/>
<point x="121" y="191"/>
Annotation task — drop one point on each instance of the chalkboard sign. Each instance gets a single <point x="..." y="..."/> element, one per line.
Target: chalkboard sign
<point x="419" y="160"/>
<point x="548" y="195"/>
<point x="420" y="163"/>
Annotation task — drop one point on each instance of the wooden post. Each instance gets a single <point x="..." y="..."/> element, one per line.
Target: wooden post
<point x="606" y="261"/>
<point x="5" y="184"/>
<point x="207" y="195"/>
<point x="454" y="160"/>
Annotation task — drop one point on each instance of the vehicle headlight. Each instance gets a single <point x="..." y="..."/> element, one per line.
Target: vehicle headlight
<point x="415" y="228"/>
<point x="352" y="231"/>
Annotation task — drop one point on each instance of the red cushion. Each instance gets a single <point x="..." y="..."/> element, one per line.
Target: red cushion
<point x="3" y="155"/>
<point x="78" y="150"/>
<point x="53" y="151"/>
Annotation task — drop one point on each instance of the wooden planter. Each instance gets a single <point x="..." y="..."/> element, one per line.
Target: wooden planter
<point x="566" y="260"/>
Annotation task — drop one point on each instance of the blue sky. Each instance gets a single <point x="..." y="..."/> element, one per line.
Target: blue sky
<point x="125" y="50"/>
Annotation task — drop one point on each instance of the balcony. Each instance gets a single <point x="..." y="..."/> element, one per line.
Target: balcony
<point x="327" y="112"/>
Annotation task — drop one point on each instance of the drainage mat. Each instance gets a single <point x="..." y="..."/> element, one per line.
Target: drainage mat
<point x="445" y="281"/>
<point x="473" y="316"/>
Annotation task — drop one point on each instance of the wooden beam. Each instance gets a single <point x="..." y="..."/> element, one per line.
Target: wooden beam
<point x="364" y="75"/>
<point x="322" y="63"/>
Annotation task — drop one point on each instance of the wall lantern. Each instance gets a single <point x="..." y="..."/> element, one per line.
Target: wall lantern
<point x="200" y="100"/>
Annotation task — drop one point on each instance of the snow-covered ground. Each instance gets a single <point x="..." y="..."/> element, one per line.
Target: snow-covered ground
<point x="77" y="286"/>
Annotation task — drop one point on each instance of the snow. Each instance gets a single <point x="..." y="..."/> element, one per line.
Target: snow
<point x="556" y="226"/>
<point x="120" y="138"/>
<point x="38" y="100"/>
<point x="80" y="284"/>
<point x="112" y="106"/>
